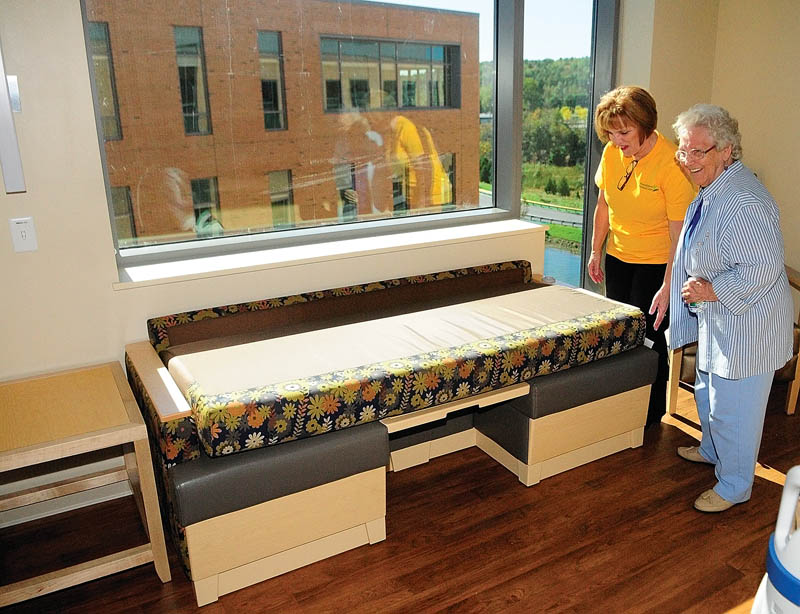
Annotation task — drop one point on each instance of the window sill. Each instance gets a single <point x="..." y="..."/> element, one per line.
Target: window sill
<point x="137" y="276"/>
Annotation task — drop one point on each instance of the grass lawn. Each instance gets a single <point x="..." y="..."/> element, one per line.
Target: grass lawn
<point x="566" y="233"/>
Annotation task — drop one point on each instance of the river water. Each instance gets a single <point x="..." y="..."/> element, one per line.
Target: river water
<point x="562" y="264"/>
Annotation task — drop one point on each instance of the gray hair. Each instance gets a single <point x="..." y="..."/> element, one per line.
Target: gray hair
<point x="723" y="128"/>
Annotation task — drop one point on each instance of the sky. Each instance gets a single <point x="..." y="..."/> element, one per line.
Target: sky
<point x="552" y="29"/>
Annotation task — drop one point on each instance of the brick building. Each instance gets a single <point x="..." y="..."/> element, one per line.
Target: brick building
<point x="231" y="118"/>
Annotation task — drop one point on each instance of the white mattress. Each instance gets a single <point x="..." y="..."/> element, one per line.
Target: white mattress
<point x="317" y="352"/>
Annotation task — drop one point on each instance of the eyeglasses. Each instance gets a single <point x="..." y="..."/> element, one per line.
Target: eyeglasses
<point x="623" y="181"/>
<point x="697" y="154"/>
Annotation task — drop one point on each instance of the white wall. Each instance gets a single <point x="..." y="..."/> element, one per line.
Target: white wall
<point x="740" y="54"/>
<point x="757" y="60"/>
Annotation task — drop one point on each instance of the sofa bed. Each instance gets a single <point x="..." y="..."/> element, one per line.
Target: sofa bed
<point x="274" y="422"/>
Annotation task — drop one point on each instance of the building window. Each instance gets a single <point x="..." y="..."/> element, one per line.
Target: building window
<point x="345" y="175"/>
<point x="205" y="200"/>
<point x="372" y="72"/>
<point x="103" y="67"/>
<point x="123" y="215"/>
<point x="192" y="79"/>
<point x="272" y="96"/>
<point x="329" y="50"/>
<point x="281" y="199"/>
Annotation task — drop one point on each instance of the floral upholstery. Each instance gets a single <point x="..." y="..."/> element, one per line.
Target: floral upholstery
<point x="272" y="414"/>
<point x="175" y="440"/>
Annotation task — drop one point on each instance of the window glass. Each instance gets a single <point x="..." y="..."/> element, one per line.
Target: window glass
<point x="356" y="120"/>
<point x="100" y="49"/>
<point x="556" y="91"/>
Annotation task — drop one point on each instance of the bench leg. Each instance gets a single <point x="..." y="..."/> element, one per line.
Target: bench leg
<point x="529" y="474"/>
<point x="206" y="590"/>
<point x="376" y="530"/>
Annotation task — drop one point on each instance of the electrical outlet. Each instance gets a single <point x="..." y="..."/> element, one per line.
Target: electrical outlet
<point x="23" y="234"/>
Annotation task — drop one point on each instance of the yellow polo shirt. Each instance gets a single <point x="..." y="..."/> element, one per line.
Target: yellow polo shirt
<point x="658" y="192"/>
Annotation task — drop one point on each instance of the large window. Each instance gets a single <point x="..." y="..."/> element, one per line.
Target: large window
<point x="373" y="72"/>
<point x="400" y="117"/>
<point x="100" y="46"/>
<point x="192" y="79"/>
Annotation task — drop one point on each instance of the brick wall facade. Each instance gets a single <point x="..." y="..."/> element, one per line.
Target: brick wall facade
<point x="240" y="152"/>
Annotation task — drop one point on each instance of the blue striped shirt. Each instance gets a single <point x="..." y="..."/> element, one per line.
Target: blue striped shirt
<point x="737" y="245"/>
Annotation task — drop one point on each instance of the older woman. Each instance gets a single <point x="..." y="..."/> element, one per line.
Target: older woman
<point x="643" y="198"/>
<point x="731" y="295"/>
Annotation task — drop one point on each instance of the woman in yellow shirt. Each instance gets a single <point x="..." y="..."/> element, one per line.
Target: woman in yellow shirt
<point x="640" y="209"/>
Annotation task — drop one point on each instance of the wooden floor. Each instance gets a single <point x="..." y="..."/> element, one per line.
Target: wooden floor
<point x="463" y="535"/>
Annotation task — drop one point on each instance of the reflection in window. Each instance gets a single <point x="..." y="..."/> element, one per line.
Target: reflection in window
<point x="281" y="200"/>
<point x="123" y="215"/>
<point x="206" y="207"/>
<point x="447" y="180"/>
<point x="271" y="60"/>
<point x="373" y="72"/>
<point x="192" y="78"/>
<point x="370" y="158"/>
<point x="345" y="175"/>
<point x="103" y="65"/>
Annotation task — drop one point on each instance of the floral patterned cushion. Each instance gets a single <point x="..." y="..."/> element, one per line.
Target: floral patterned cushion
<point x="271" y="414"/>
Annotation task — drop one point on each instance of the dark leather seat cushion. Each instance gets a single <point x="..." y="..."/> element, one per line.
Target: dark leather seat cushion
<point x="209" y="487"/>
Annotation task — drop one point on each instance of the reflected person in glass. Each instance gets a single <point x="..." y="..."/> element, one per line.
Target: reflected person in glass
<point x="729" y="261"/>
<point x="640" y="209"/>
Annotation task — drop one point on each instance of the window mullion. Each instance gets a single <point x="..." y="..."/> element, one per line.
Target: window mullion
<point x="507" y="148"/>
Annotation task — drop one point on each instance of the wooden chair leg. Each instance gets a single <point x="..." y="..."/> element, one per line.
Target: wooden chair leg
<point x="675" y="360"/>
<point x="794" y="388"/>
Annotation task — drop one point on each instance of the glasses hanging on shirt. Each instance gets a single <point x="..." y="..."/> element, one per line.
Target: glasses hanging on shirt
<point x="623" y="181"/>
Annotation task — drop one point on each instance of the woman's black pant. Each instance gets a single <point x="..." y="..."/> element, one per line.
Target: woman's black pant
<point x="637" y="284"/>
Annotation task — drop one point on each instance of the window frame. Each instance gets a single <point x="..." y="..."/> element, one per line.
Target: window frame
<point x="506" y="151"/>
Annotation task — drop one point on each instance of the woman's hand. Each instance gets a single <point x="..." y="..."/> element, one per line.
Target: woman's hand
<point x="660" y="305"/>
<point x="697" y="289"/>
<point x="595" y="267"/>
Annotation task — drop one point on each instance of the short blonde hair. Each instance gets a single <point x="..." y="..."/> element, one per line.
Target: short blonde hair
<point x="626" y="104"/>
<point x="723" y="128"/>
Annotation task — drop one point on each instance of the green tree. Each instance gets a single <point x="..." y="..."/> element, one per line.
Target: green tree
<point x="485" y="161"/>
<point x="563" y="187"/>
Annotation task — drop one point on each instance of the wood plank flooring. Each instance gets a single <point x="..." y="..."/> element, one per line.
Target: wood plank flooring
<point x="464" y="535"/>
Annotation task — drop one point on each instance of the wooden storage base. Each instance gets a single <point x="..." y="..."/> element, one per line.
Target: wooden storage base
<point x="423" y="452"/>
<point x="577" y="436"/>
<point x="245" y="547"/>
<point x="556" y="443"/>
